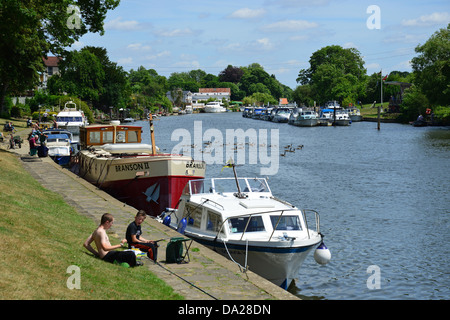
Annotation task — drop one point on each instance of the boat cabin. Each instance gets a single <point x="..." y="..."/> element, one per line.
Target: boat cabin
<point x="212" y="206"/>
<point x="98" y="135"/>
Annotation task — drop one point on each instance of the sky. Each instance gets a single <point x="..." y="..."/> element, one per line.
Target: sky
<point x="281" y="35"/>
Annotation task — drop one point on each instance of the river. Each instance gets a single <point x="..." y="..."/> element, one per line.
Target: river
<point x="383" y="196"/>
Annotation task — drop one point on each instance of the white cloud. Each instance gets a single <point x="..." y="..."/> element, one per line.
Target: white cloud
<point x="175" y="32"/>
<point x="158" y="55"/>
<point x="246" y="13"/>
<point x="250" y="46"/>
<point x="289" y="26"/>
<point x="435" y="18"/>
<point x="138" y="47"/>
<point x="125" y="61"/>
<point x="118" y="24"/>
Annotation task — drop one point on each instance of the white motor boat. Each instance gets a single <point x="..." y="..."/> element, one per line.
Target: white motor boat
<point x="306" y="118"/>
<point x="71" y="119"/>
<point x="242" y="220"/>
<point x="61" y="145"/>
<point x="355" y="114"/>
<point x="214" y="107"/>
<point x="282" y="115"/>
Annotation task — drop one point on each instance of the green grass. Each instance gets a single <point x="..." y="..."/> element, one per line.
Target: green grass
<point x="41" y="236"/>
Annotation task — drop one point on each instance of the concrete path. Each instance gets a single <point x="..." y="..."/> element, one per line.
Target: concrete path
<point x="208" y="275"/>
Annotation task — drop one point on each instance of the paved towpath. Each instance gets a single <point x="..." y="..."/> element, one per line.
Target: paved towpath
<point x="207" y="276"/>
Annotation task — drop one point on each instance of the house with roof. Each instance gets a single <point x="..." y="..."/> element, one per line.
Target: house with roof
<point x="51" y="68"/>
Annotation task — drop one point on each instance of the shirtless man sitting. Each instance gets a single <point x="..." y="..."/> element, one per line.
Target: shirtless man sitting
<point x="105" y="250"/>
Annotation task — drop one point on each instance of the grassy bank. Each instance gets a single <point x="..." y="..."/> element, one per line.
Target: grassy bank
<point x="42" y="236"/>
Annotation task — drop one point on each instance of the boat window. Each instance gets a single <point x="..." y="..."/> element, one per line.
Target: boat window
<point x="120" y="137"/>
<point x="228" y="185"/>
<point x="238" y="224"/>
<point x="132" y="136"/>
<point x="94" y="137"/>
<point x="194" y="216"/>
<point x="201" y="186"/>
<point x="214" y="222"/>
<point x="258" y="185"/>
<point x="286" y="223"/>
<point x="108" y="136"/>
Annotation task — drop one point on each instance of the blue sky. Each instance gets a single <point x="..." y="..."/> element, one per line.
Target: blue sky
<point x="281" y="35"/>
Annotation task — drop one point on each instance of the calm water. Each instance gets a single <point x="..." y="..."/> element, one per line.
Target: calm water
<point x="383" y="198"/>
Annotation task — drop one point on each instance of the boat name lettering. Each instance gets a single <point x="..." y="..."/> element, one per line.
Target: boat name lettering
<point x="132" y="167"/>
<point x="195" y="165"/>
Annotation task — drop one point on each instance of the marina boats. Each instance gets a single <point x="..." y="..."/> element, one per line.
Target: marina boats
<point x="242" y="220"/>
<point x="214" y="107"/>
<point x="335" y="117"/>
<point x="114" y="159"/>
<point x="61" y="145"/>
<point x="306" y="118"/>
<point x="71" y="119"/>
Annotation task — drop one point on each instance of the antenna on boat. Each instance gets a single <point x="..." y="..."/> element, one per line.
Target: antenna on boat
<point x="152" y="133"/>
<point x="230" y="164"/>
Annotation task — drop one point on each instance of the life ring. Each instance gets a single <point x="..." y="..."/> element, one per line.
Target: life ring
<point x="428" y="111"/>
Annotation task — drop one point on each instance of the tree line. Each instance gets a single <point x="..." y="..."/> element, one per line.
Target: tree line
<point x="30" y="30"/>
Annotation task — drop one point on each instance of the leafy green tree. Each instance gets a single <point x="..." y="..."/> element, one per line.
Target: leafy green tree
<point x="335" y="73"/>
<point x="432" y="67"/>
<point x="31" y="29"/>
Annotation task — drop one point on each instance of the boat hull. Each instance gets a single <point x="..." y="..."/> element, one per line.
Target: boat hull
<point x="149" y="183"/>
<point x="278" y="264"/>
<point x="306" y="122"/>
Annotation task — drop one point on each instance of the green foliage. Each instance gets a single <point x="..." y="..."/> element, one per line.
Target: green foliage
<point x="335" y="73"/>
<point x="432" y="67"/>
<point x="31" y="29"/>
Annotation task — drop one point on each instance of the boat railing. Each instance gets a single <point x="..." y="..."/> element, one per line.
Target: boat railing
<point x="214" y="203"/>
<point x="316" y="218"/>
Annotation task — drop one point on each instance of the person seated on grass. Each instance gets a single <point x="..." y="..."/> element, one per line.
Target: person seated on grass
<point x="105" y="250"/>
<point x="134" y="237"/>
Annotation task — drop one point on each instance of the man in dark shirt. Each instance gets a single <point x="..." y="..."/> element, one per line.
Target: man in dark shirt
<point x="135" y="239"/>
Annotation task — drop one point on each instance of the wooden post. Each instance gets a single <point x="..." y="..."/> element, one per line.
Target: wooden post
<point x="381" y="106"/>
<point x="152" y="133"/>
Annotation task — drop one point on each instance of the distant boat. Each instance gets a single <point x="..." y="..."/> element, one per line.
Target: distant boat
<point x="306" y="118"/>
<point x="71" y="119"/>
<point x="281" y="115"/>
<point x="61" y="145"/>
<point x="214" y="107"/>
<point x="354" y="114"/>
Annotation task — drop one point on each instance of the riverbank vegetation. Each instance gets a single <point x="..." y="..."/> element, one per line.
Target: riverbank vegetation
<point x="105" y="88"/>
<point x="43" y="236"/>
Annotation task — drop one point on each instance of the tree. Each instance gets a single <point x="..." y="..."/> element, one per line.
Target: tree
<point x="231" y="74"/>
<point x="432" y="67"/>
<point x="335" y="73"/>
<point x="31" y="29"/>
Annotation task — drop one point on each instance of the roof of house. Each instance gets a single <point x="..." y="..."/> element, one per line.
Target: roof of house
<point x="51" y="61"/>
<point x="214" y="90"/>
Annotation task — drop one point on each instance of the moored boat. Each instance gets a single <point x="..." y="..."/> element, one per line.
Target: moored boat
<point x="71" y="119"/>
<point x="61" y="145"/>
<point x="354" y="114"/>
<point x="114" y="159"/>
<point x="242" y="220"/>
<point x="306" y="118"/>
<point x="214" y="107"/>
